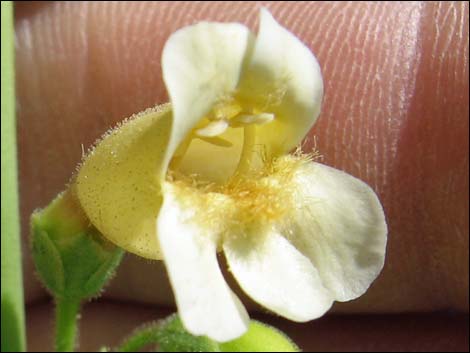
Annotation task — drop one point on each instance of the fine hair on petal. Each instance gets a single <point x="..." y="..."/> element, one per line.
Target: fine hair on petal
<point x="247" y="202"/>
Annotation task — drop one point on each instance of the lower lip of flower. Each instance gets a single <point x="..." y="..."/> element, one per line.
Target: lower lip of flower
<point x="246" y="202"/>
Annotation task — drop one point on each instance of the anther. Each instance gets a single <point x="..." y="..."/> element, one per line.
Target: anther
<point x="217" y="141"/>
<point x="214" y="128"/>
<point x="247" y="119"/>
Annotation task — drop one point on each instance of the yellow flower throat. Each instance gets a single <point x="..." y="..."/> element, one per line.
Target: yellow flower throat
<point x="225" y="115"/>
<point x="251" y="197"/>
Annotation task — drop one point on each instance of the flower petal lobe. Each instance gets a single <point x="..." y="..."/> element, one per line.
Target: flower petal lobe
<point x="340" y="226"/>
<point x="205" y="303"/>
<point x="274" y="274"/>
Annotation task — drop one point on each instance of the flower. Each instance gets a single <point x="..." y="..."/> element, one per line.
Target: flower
<point x="211" y="173"/>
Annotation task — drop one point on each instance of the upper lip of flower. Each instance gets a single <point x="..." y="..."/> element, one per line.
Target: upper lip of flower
<point x="320" y="238"/>
<point x="222" y="72"/>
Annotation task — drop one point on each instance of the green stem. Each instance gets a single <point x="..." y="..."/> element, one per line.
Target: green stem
<point x="13" y="325"/>
<point x="66" y="324"/>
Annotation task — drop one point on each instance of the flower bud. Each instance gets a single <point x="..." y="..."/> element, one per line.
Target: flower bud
<point x="260" y="338"/>
<point x="173" y="337"/>
<point x="73" y="260"/>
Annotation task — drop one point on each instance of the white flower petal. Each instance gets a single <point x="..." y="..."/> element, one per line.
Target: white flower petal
<point x="340" y="225"/>
<point x="201" y="66"/>
<point x="206" y="304"/>
<point x="282" y="77"/>
<point x="277" y="276"/>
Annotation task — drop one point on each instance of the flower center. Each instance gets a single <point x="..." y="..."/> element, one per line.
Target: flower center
<point x="245" y="202"/>
<point x="223" y="143"/>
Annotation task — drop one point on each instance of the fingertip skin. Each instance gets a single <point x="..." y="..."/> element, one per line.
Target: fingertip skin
<point x="394" y="114"/>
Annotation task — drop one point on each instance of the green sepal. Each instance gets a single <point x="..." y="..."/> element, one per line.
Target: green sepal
<point x="72" y="258"/>
<point x="48" y="262"/>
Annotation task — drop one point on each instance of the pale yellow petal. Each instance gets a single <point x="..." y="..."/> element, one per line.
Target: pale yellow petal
<point x="212" y="160"/>
<point x="339" y="224"/>
<point x="201" y="67"/>
<point x="205" y="302"/>
<point x="281" y="77"/>
<point x="118" y="183"/>
<point x="277" y="276"/>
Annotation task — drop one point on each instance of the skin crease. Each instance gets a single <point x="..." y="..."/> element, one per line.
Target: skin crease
<point x="395" y="114"/>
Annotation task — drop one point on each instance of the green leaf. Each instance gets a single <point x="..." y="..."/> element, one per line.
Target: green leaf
<point x="13" y="326"/>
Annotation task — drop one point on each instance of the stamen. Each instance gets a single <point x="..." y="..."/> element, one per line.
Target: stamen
<point x="180" y="152"/>
<point x="226" y="111"/>
<point x="249" y="138"/>
<point x="212" y="129"/>
<point x="218" y="141"/>
<point x="246" y="119"/>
